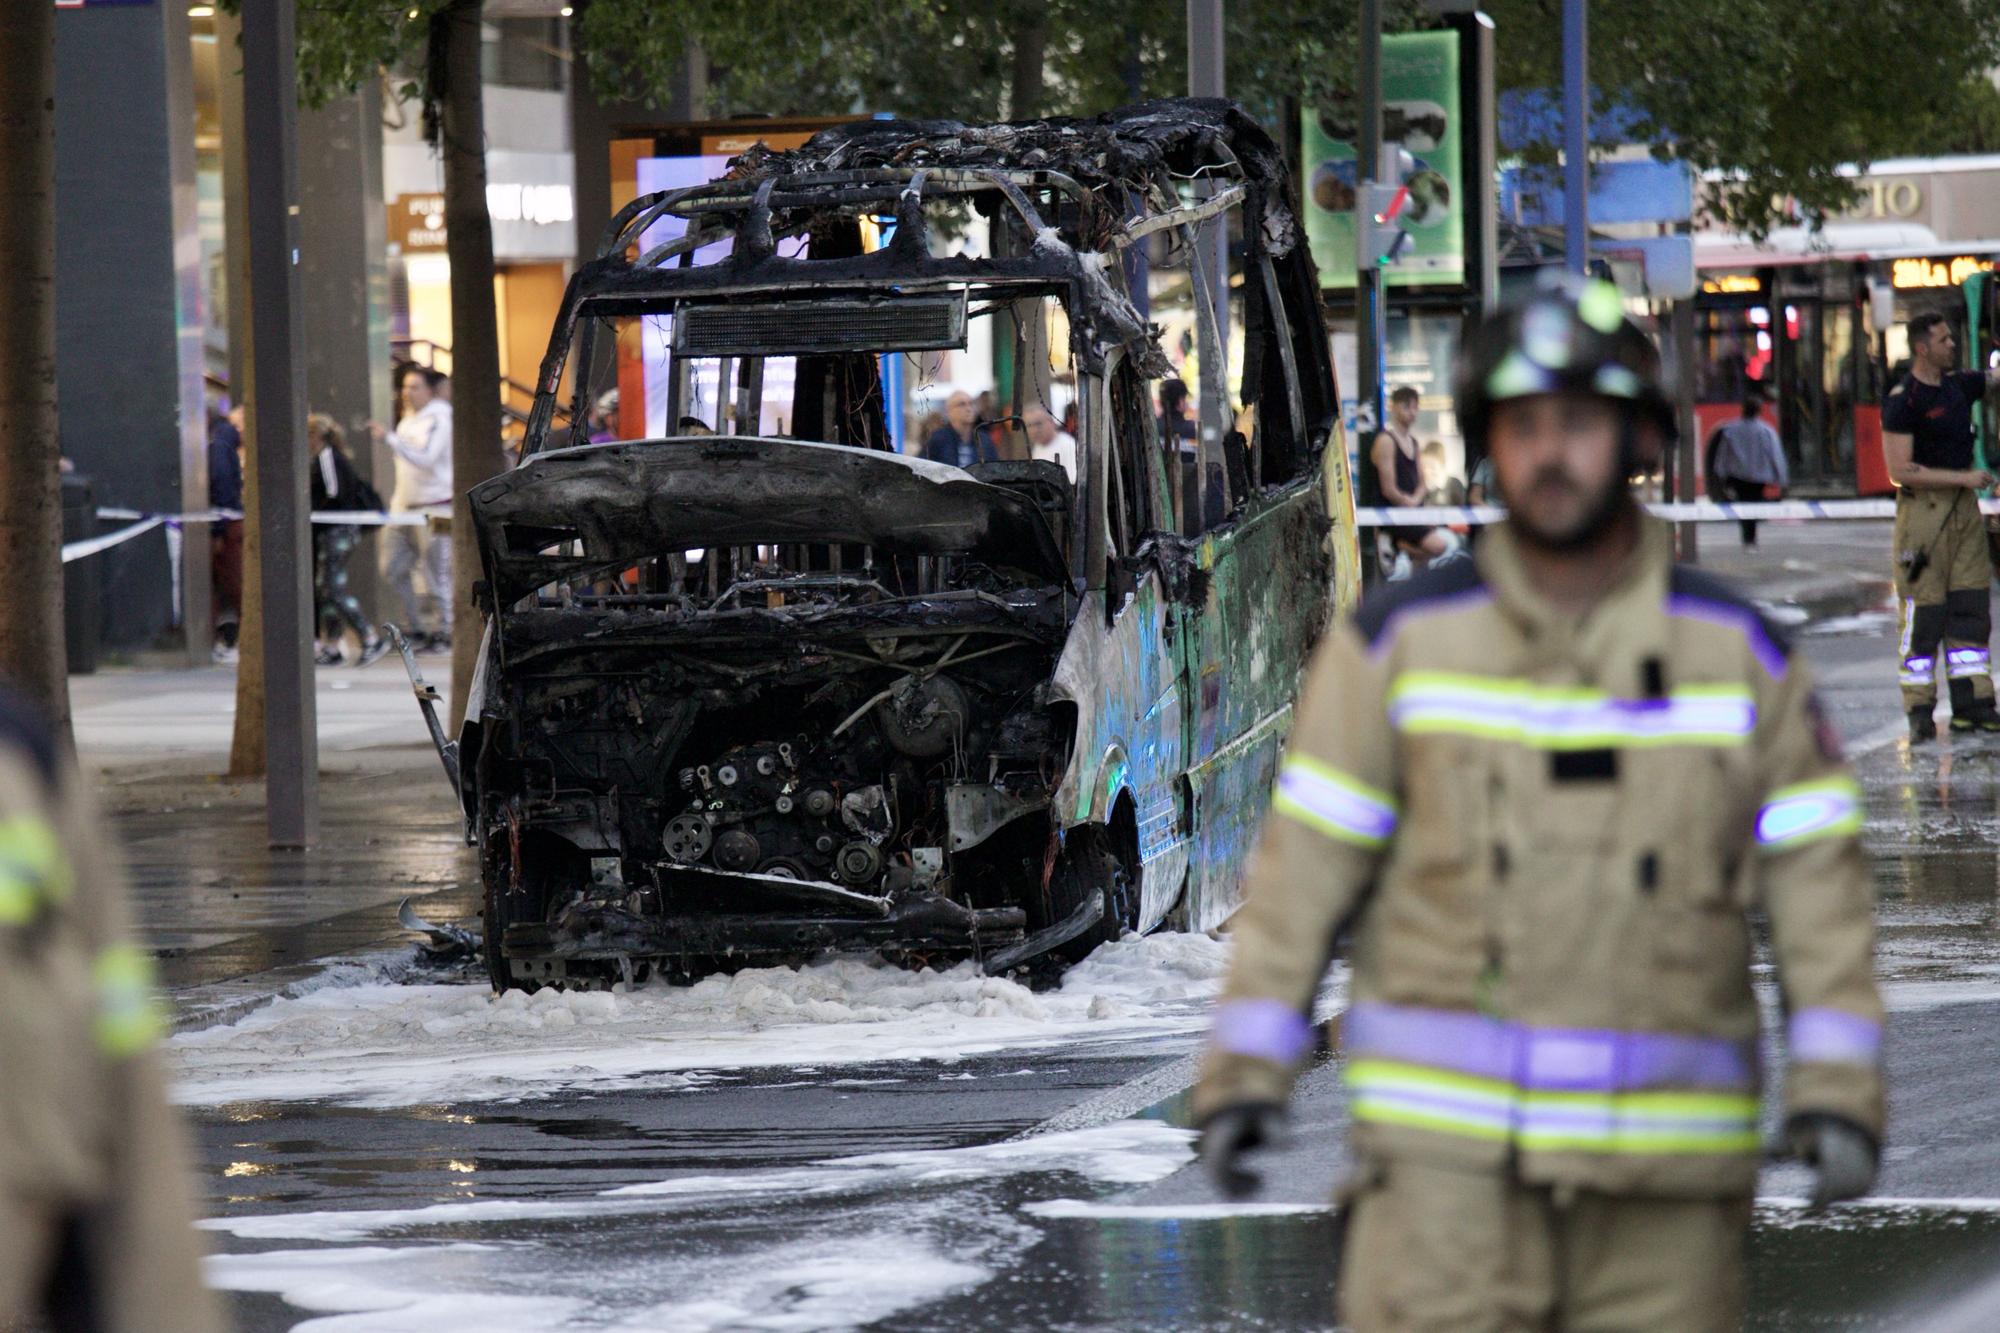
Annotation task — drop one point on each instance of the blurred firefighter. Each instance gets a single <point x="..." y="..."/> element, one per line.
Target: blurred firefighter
<point x="96" y="1227"/>
<point x="1539" y="790"/>
<point x="1942" y="563"/>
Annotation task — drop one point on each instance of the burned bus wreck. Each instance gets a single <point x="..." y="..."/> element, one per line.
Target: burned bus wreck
<point x="753" y="695"/>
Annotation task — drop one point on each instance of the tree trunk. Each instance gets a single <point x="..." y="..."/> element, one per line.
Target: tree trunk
<point x="31" y="614"/>
<point x="246" y="743"/>
<point x="1024" y="85"/>
<point x="475" y="328"/>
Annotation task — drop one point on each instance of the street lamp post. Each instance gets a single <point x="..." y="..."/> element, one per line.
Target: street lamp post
<point x="270" y="102"/>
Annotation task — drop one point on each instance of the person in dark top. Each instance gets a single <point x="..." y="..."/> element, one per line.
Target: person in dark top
<point x="1179" y="437"/>
<point x="225" y="535"/>
<point x="1399" y="472"/>
<point x="337" y="486"/>
<point x="957" y="442"/>
<point x="1942" y="566"/>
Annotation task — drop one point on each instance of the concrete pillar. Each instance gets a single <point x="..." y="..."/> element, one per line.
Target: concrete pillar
<point x="128" y="304"/>
<point x="344" y="285"/>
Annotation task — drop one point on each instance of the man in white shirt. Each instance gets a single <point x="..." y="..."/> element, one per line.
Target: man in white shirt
<point x="421" y="443"/>
<point x="1050" y="441"/>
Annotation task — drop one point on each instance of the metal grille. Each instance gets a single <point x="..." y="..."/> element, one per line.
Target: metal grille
<point x="805" y="328"/>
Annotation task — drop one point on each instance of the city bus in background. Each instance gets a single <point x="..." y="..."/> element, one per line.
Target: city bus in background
<point x="1825" y="337"/>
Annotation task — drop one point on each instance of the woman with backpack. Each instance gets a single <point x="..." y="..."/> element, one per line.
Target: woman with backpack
<point x="337" y="486"/>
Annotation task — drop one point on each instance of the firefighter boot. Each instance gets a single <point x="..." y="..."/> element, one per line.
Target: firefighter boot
<point x="1969" y="712"/>
<point x="1923" y="727"/>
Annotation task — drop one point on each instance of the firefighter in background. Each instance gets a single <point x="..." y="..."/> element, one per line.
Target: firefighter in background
<point x="1942" y="563"/>
<point x="96" y="1227"/>
<point x="1537" y="792"/>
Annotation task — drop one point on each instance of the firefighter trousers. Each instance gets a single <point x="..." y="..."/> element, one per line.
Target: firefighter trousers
<point x="1437" y="1249"/>
<point x="1942" y="573"/>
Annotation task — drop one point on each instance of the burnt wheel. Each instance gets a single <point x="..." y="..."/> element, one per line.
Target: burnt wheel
<point x="1090" y="866"/>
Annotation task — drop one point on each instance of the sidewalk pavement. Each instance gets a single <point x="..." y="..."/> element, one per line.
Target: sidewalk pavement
<point x="1803" y="570"/>
<point x="235" y="923"/>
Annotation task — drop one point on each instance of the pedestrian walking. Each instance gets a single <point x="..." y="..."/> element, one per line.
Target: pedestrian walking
<point x="96" y="1219"/>
<point x="1943" y="566"/>
<point x="1749" y="461"/>
<point x="421" y="443"/>
<point x="337" y="486"/>
<point x="1537" y="793"/>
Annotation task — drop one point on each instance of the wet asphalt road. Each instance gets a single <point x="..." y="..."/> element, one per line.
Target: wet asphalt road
<point x="749" y="1227"/>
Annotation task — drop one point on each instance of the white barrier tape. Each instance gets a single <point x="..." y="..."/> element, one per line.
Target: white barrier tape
<point x="360" y="518"/>
<point x="92" y="545"/>
<point x="354" y="518"/>
<point x="1700" y="511"/>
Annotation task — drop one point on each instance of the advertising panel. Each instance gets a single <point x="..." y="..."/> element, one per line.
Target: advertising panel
<point x="1422" y="127"/>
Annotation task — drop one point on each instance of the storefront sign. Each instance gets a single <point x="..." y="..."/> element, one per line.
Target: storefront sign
<point x="539" y="204"/>
<point x="1422" y="126"/>
<point x="416" y="222"/>
<point x="729" y="145"/>
<point x="1906" y="273"/>
<point x="1885" y="199"/>
<point x="1733" y="284"/>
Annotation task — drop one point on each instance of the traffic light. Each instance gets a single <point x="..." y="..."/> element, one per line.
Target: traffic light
<point x="1376" y="213"/>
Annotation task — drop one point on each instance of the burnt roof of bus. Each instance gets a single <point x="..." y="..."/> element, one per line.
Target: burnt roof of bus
<point x="1109" y="180"/>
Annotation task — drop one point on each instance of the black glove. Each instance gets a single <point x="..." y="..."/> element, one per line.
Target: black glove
<point x="1231" y="1132"/>
<point x="1842" y="1154"/>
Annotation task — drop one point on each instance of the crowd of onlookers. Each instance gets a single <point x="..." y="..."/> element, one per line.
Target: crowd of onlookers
<point x="1743" y="461"/>
<point x="415" y="556"/>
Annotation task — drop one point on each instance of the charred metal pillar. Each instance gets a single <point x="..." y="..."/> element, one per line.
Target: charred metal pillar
<point x="270" y="156"/>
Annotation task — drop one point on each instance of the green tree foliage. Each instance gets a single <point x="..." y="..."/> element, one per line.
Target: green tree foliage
<point x="344" y="44"/>
<point x="954" y="58"/>
<point x="1780" y="94"/>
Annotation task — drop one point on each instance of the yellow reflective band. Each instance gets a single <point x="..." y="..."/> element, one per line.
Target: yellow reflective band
<point x="128" y="1015"/>
<point x="1640" y="1123"/>
<point x="33" y="869"/>
<point x="1331" y="802"/>
<point x="1567" y="717"/>
<point x="1809" y="811"/>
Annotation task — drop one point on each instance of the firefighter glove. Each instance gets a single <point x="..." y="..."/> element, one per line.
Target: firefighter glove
<point x="1842" y="1155"/>
<point x="1231" y="1132"/>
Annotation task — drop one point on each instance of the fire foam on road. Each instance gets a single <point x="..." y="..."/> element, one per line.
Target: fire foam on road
<point x="375" y="1043"/>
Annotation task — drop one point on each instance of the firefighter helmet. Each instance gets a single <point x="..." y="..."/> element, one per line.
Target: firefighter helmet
<point x="1570" y="336"/>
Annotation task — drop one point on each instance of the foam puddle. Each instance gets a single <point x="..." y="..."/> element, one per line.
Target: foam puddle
<point x="885" y="1232"/>
<point x="376" y="1044"/>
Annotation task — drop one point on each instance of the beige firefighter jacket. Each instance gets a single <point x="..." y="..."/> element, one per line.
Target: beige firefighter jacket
<point x="94" y="1180"/>
<point x="1542" y="836"/>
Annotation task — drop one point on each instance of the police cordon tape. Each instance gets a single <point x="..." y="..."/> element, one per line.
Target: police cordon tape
<point x="1699" y="511"/>
<point x="144" y="523"/>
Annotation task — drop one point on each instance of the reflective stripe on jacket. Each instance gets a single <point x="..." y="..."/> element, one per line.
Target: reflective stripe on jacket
<point x="90" y="1152"/>
<point x="1543" y="837"/>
